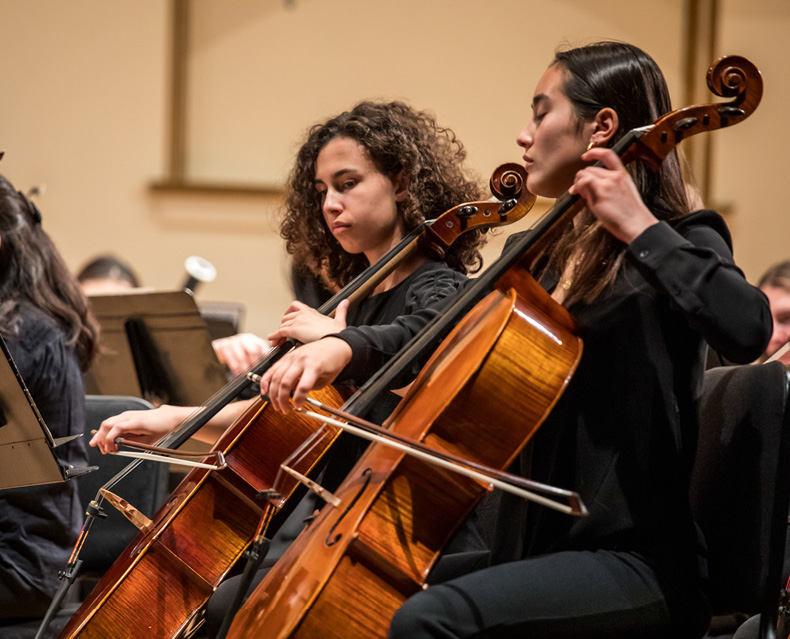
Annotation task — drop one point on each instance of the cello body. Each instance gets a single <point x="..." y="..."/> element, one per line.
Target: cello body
<point x="354" y="565"/>
<point x="159" y="585"/>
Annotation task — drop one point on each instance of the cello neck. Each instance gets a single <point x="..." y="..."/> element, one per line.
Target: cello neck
<point x="513" y="202"/>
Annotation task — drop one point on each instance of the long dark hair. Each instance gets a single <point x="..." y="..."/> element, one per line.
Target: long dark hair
<point x="624" y="78"/>
<point x="32" y="271"/>
<point x="401" y="140"/>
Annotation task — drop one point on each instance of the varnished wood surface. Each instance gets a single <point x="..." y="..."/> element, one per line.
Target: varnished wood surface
<point x="165" y="577"/>
<point x="480" y="396"/>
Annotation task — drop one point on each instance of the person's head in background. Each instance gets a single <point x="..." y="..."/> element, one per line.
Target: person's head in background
<point x="106" y="274"/>
<point x="33" y="273"/>
<point x="775" y="283"/>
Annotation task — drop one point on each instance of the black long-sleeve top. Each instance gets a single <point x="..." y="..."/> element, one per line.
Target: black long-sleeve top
<point x="623" y="435"/>
<point x="371" y="320"/>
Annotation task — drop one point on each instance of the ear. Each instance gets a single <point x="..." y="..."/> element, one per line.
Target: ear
<point x="605" y="125"/>
<point x="401" y="184"/>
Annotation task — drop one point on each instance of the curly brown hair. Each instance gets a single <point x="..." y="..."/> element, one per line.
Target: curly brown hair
<point x="401" y="140"/>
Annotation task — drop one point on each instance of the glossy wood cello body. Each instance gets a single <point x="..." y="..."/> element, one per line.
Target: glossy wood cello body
<point x="397" y="512"/>
<point x="482" y="395"/>
<point x="160" y="584"/>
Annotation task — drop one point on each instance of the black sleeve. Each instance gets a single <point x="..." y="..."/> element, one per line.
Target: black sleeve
<point x="372" y="346"/>
<point x="693" y="265"/>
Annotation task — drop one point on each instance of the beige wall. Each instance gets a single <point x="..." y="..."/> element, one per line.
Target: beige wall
<point x="752" y="164"/>
<point x="85" y="111"/>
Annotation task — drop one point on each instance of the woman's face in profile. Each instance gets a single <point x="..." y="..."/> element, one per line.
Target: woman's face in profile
<point x="554" y="139"/>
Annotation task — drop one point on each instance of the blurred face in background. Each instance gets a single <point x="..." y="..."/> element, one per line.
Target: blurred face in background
<point x="779" y="299"/>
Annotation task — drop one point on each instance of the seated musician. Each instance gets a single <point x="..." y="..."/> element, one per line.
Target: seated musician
<point x="775" y="283"/>
<point x="52" y="338"/>
<point x="361" y="181"/>
<point x="648" y="282"/>
<point x="106" y="274"/>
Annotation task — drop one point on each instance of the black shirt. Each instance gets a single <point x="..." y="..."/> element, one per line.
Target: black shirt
<point x="371" y="322"/>
<point x="39" y="525"/>
<point x="380" y="325"/>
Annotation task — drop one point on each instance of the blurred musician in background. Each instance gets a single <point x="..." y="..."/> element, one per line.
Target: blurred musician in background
<point x="106" y="274"/>
<point x="775" y="283"/>
<point x="45" y="321"/>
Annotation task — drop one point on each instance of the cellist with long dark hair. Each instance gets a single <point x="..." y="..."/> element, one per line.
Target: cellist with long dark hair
<point x="650" y="284"/>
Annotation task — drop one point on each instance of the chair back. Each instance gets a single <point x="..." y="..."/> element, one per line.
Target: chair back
<point x="740" y="487"/>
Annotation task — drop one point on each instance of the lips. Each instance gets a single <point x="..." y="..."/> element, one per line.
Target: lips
<point x="339" y="227"/>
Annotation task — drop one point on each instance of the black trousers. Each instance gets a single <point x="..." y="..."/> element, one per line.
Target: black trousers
<point x="600" y="594"/>
<point x="18" y="601"/>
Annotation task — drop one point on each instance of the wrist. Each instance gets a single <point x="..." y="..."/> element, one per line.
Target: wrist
<point x="637" y="226"/>
<point x="341" y="349"/>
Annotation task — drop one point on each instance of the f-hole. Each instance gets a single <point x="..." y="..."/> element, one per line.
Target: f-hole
<point x="330" y="540"/>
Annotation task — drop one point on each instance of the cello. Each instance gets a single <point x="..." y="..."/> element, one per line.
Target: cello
<point x="162" y="580"/>
<point x="357" y="562"/>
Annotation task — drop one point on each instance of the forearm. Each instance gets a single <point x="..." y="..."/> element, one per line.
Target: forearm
<point x="695" y="270"/>
<point x="217" y="425"/>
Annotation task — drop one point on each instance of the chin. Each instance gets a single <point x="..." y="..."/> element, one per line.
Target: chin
<point x="544" y="191"/>
<point x="536" y="186"/>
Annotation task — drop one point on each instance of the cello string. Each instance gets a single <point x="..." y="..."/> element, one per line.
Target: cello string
<point x="483" y="217"/>
<point x="241" y="382"/>
<point x="308" y="446"/>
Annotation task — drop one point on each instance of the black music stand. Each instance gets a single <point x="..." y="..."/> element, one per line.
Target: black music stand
<point x="223" y="319"/>
<point x="155" y="345"/>
<point x="27" y="456"/>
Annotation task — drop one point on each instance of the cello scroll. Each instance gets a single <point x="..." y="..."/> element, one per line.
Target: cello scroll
<point x="730" y="76"/>
<point x="508" y="185"/>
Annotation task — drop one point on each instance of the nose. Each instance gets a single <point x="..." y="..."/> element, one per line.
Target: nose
<point x="332" y="202"/>
<point x="524" y="138"/>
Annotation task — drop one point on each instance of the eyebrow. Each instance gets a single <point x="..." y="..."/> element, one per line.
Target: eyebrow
<point x="538" y="99"/>
<point x="335" y="175"/>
